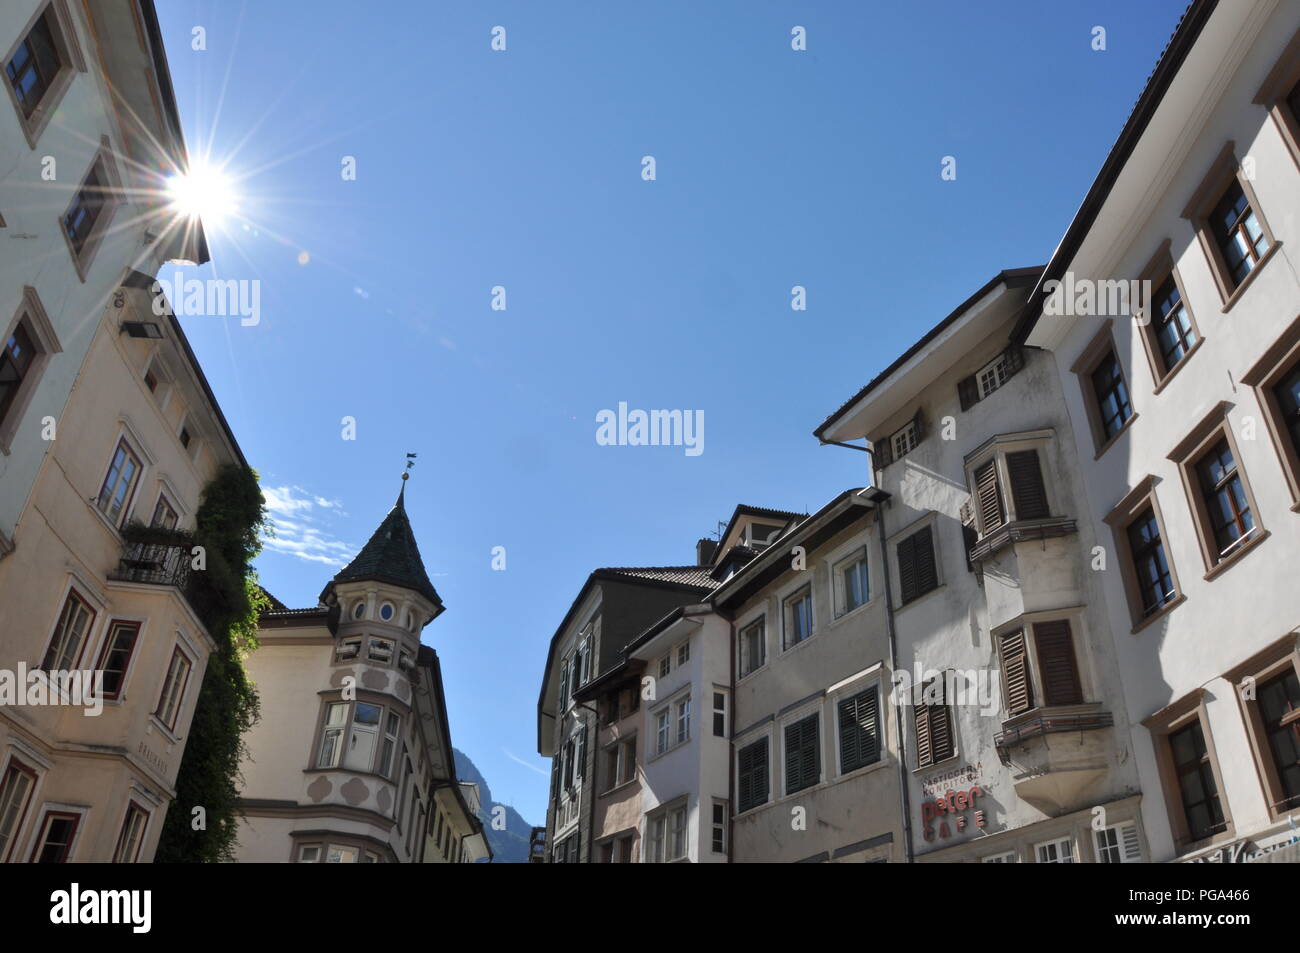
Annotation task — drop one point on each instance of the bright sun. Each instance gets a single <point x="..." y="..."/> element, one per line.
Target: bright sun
<point x="205" y="193"/>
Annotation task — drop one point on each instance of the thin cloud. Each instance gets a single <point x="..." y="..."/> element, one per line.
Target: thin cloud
<point x="530" y="767"/>
<point x="299" y="521"/>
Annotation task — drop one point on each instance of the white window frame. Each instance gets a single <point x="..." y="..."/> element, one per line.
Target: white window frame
<point x="1006" y="857"/>
<point x="1121" y="844"/>
<point x="857" y="556"/>
<point x="997" y="370"/>
<point x="718" y="831"/>
<point x="666" y="665"/>
<point x="997" y="448"/>
<point x="160" y="709"/>
<point x="133" y="487"/>
<point x="761" y="620"/>
<point x="1066" y="856"/>
<point x="903" y="440"/>
<point x="787" y="616"/>
<point x="683" y="653"/>
<point x="724" y="711"/>
<point x="132" y="805"/>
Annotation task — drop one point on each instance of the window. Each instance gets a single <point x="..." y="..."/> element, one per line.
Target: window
<point x="719" y="839"/>
<point x="386" y="611"/>
<point x="1155" y="584"/>
<point x="662" y="726"/>
<point x="1230" y="518"/>
<point x="1111" y="395"/>
<point x="185" y="437"/>
<point x="625" y="844"/>
<point x="971" y="390"/>
<point x="116" y="656"/>
<point x="620" y="763"/>
<point x="1118" y="844"/>
<point x="359" y="609"/>
<point x="15" y="793"/>
<point x="1275" y="378"/>
<point x="119" y="483"/>
<point x="859" y="725"/>
<point x="86" y="220"/>
<point x="683" y="653"/>
<point x="28" y="346"/>
<point x="173" y="692"/>
<point x="54" y="843"/>
<point x="900" y="443"/>
<point x="151" y="380"/>
<point x="752" y="775"/>
<point x="164" y="514"/>
<point x="341" y="855"/>
<point x="349" y="649"/>
<point x="683" y="709"/>
<point x="798" y="616"/>
<point x="665" y="665"/>
<point x="677" y="833"/>
<point x="380" y="650"/>
<point x="933" y="724"/>
<point x="1007" y="858"/>
<point x="309" y="854"/>
<point x="40" y="67"/>
<point x="802" y="754"/>
<point x="1175" y="337"/>
<point x="607" y="853"/>
<point x="1197" y="785"/>
<point x="917" y="572"/>
<point x="392" y="733"/>
<point x="331" y="745"/>
<point x="1055" y="852"/>
<point x="131" y="837"/>
<point x="719" y="714"/>
<point x="1150" y="581"/>
<point x="1278" y="706"/>
<point x="851" y="585"/>
<point x="1229" y="225"/>
<point x="658" y="837"/>
<point x="1049" y="666"/>
<point x="753" y="647"/>
<point x="69" y="634"/>
<point x="1280" y="94"/>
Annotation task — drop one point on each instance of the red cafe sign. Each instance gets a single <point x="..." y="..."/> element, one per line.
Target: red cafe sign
<point x="951" y="809"/>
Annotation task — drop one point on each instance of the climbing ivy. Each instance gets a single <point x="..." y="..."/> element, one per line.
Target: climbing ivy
<point x="227" y="599"/>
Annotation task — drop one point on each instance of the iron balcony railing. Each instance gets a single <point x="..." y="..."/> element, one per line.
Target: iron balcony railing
<point x="155" y="564"/>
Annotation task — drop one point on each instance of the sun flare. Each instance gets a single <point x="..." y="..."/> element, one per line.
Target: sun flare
<point x="205" y="193"/>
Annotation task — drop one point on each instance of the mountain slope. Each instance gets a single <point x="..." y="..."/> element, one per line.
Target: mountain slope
<point x="509" y="846"/>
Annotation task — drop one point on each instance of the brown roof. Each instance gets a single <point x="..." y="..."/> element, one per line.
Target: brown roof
<point x="697" y="576"/>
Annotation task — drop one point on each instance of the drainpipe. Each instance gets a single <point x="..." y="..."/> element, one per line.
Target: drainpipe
<point x="731" y="745"/>
<point x="591" y="744"/>
<point x="881" y="499"/>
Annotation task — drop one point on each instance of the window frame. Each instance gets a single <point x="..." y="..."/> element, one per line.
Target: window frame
<point x="73" y="592"/>
<point x="1278" y="362"/>
<point x="760" y="621"/>
<point x="1028" y="625"/>
<point x="945" y="707"/>
<point x="798" y="594"/>
<point x="1222" y="173"/>
<point x="133" y="809"/>
<point x="996" y="451"/>
<point x="924" y="524"/>
<point x="850" y="694"/>
<point x="32" y="318"/>
<point x="1187" y="456"/>
<point x="1070" y="852"/>
<point x="124" y="440"/>
<point x="1099" y="348"/>
<point x="797" y="719"/>
<point x="1160" y="269"/>
<point x="1274" y="92"/>
<point x="113" y="199"/>
<point x="857" y="556"/>
<point x="50" y="813"/>
<point x="1099" y="849"/>
<point x="71" y="61"/>
<point x="764" y="739"/>
<point x="179" y="695"/>
<point x="1164" y="724"/>
<point x="1120" y="519"/>
<point x="16" y="764"/>
<point x="106" y="648"/>
<point x="1278" y="659"/>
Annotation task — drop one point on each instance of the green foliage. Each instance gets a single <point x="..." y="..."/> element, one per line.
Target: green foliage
<point x="228" y="600"/>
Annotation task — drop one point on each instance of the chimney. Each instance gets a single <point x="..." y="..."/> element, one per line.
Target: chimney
<point x="704" y="550"/>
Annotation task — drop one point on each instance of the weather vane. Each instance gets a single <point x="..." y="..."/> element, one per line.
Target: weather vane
<point x="410" y="462"/>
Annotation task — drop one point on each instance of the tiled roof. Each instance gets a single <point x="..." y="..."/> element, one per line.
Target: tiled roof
<point x="697" y="576"/>
<point x="763" y="510"/>
<point x="391" y="556"/>
<point x="276" y="604"/>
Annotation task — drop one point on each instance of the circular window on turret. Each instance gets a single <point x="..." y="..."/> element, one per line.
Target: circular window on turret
<point x="386" y="611"/>
<point x="359" y="609"/>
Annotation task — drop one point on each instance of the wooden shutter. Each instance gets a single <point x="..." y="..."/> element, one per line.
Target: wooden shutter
<point x="1015" y="360"/>
<point x="580" y="757"/>
<point x="927" y="575"/>
<point x="1129" y="845"/>
<point x="859" y="730"/>
<point x="988" y="496"/>
<point x="752" y="775"/>
<point x="968" y="392"/>
<point x="1056" y="663"/>
<point x="921" y="721"/>
<point x="1027" y="490"/>
<point x="906" y="556"/>
<point x="882" y="453"/>
<point x="918" y="425"/>
<point x="802" y="768"/>
<point x="1015" y="672"/>
<point x="941" y="741"/>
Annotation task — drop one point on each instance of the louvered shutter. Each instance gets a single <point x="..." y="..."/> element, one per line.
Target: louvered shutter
<point x="906" y="556"/>
<point x="859" y="730"/>
<point x="1015" y="360"/>
<point x="988" y="496"/>
<point x="968" y="392"/>
<point x="1056" y="663"/>
<point x="1027" y="490"/>
<point x="882" y="452"/>
<point x="927" y="575"/>
<point x="580" y="758"/>
<point x="969" y="538"/>
<point x="918" y="425"/>
<point x="802" y="767"/>
<point x="1015" y="672"/>
<point x="1130" y="846"/>
<point x="941" y="740"/>
<point x="921" y="721"/>
<point x="752" y="775"/>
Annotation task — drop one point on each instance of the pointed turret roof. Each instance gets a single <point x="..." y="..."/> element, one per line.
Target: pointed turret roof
<point x="391" y="556"/>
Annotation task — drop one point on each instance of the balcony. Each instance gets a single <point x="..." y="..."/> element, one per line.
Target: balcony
<point x="156" y="564"/>
<point x="1057" y="754"/>
<point x="537" y="845"/>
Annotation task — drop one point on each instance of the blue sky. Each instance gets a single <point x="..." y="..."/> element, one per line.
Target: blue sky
<point x="522" y="169"/>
